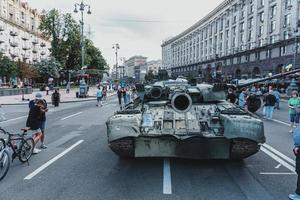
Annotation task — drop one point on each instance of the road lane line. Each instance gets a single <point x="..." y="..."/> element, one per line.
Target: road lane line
<point x="167" y="184"/>
<point x="9" y="120"/>
<point x="280" y="122"/>
<point x="275" y="173"/>
<point x="71" y="116"/>
<point x="289" y="160"/>
<point x="47" y="164"/>
<point x="278" y="159"/>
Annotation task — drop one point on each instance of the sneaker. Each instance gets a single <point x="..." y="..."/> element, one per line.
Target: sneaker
<point x="36" y="151"/>
<point x="43" y="146"/>
<point x="294" y="196"/>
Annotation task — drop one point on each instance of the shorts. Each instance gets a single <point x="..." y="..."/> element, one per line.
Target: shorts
<point x="99" y="99"/>
<point x="43" y="126"/>
<point x="294" y="118"/>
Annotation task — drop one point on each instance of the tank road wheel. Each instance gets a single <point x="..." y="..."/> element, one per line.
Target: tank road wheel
<point x="123" y="147"/>
<point x="243" y="148"/>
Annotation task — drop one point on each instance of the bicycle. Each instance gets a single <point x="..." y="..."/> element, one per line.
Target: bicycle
<point x="21" y="146"/>
<point x="4" y="159"/>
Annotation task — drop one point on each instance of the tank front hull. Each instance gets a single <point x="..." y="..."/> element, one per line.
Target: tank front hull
<point x="191" y="148"/>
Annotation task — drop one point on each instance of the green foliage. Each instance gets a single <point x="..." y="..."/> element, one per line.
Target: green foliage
<point x="8" y="68"/>
<point x="49" y="68"/>
<point x="65" y="36"/>
<point x="149" y="76"/>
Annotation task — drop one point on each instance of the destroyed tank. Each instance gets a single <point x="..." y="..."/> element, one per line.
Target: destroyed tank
<point x="175" y="119"/>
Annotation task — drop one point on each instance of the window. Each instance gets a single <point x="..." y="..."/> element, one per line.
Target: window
<point x="285" y="35"/>
<point x="288" y="4"/>
<point x="261" y="16"/>
<point x="282" y="51"/>
<point x="261" y="30"/>
<point x="242" y="26"/>
<point x="260" y="43"/>
<point x="261" y="3"/>
<point x="242" y="14"/>
<point x="234" y="30"/>
<point x="287" y="21"/>
<point x="272" y="39"/>
<point x="234" y="19"/>
<point x="273" y="11"/>
<point x="250" y="35"/>
<point x="251" y="9"/>
<point x="273" y="26"/>
<point x="250" y="22"/>
<point x="257" y="55"/>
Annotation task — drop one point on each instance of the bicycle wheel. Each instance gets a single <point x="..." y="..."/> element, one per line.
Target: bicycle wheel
<point x="4" y="163"/>
<point x="26" y="149"/>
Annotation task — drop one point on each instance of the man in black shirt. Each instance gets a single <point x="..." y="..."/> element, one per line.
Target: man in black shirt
<point x="270" y="101"/>
<point x="34" y="121"/>
<point x="231" y="96"/>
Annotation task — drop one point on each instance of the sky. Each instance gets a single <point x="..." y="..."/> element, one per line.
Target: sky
<point x="138" y="26"/>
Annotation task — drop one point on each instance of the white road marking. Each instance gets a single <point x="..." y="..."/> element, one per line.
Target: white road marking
<point x="278" y="166"/>
<point x="71" y="116"/>
<point x="289" y="160"/>
<point x="14" y="119"/>
<point x="280" y="122"/>
<point x="47" y="164"/>
<point x="278" y="159"/>
<point x="275" y="173"/>
<point x="167" y="184"/>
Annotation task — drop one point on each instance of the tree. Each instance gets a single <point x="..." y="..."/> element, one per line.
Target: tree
<point x="48" y="68"/>
<point x="8" y="68"/>
<point x="65" y="36"/>
<point x="27" y="71"/>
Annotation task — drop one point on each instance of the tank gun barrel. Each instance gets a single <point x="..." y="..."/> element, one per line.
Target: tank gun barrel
<point x="280" y="75"/>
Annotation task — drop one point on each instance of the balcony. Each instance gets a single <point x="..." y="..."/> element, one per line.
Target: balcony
<point x="43" y="44"/>
<point x="35" y="41"/>
<point x="35" y="60"/>
<point x="26" y="48"/>
<point x="2" y="28"/>
<point x="14" y="44"/>
<point x="13" y="33"/>
<point x="43" y="53"/>
<point x="14" y="55"/>
<point x="34" y="50"/>
<point x="25" y="38"/>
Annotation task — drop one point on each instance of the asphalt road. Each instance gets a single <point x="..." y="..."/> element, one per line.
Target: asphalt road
<point x="79" y="165"/>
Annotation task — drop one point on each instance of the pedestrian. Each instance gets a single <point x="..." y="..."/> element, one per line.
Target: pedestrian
<point x="47" y="90"/>
<point x="294" y="104"/>
<point x="296" y="137"/>
<point x="276" y="93"/>
<point x="242" y="98"/>
<point x="42" y="123"/>
<point x="56" y="98"/>
<point x="34" y="122"/>
<point x="124" y="95"/>
<point x="68" y="88"/>
<point x="104" y="93"/>
<point x="119" y="94"/>
<point x="99" y="96"/>
<point x="270" y="101"/>
<point x="231" y="96"/>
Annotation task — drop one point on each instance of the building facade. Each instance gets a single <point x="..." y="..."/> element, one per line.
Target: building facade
<point x="239" y="38"/>
<point x="154" y="66"/>
<point x="134" y="66"/>
<point x="20" y="38"/>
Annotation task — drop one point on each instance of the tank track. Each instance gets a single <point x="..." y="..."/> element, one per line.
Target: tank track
<point x="243" y="148"/>
<point x="123" y="147"/>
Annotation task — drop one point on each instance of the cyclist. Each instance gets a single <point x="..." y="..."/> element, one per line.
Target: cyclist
<point x="34" y="120"/>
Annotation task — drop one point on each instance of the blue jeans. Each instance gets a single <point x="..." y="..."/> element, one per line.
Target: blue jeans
<point x="269" y="112"/>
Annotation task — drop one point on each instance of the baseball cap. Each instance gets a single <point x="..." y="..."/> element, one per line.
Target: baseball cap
<point x="38" y="96"/>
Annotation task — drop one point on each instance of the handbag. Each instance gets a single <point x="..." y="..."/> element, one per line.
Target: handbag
<point x="297" y="110"/>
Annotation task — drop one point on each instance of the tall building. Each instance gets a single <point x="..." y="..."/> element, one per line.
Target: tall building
<point x="249" y="38"/>
<point x="135" y="67"/>
<point x="20" y="38"/>
<point x="154" y="66"/>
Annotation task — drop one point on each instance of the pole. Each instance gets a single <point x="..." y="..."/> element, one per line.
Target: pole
<point x="117" y="67"/>
<point x="82" y="37"/>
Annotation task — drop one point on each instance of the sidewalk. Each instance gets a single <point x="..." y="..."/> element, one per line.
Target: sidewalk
<point x="65" y="98"/>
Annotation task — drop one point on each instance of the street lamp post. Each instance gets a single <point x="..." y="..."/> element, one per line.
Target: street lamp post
<point x="82" y="7"/>
<point x="116" y="47"/>
<point x="123" y="59"/>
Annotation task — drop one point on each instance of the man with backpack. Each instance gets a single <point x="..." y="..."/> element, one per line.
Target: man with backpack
<point x="42" y="118"/>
